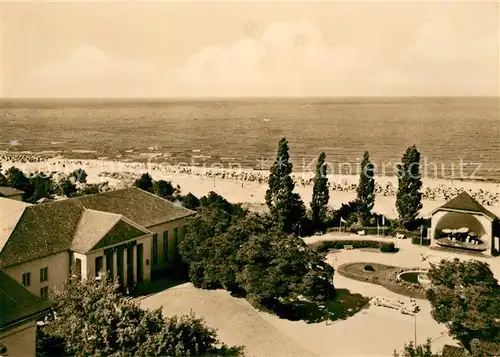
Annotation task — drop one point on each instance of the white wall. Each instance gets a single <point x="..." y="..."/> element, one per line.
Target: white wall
<point x="159" y="229"/>
<point x="58" y="265"/>
<point x="20" y="340"/>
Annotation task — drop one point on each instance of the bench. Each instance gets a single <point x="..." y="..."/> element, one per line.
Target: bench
<point x="400" y="236"/>
<point x="361" y="233"/>
<point x="348" y="247"/>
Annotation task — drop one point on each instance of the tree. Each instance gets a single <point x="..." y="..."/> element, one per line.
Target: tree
<point x="93" y="319"/>
<point x="3" y="179"/>
<point x="251" y="256"/>
<point x="145" y="182"/>
<point x="466" y="297"/>
<point x="190" y="201"/>
<point x="409" y="197"/>
<point x="321" y="195"/>
<point x="79" y="175"/>
<point x="286" y="207"/>
<point x="410" y="350"/>
<point x="365" y="190"/>
<point x="17" y="179"/>
<point x="66" y="187"/>
<point x="43" y="187"/>
<point x="164" y="189"/>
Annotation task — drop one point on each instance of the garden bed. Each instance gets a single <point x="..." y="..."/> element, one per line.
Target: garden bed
<point x="383" y="275"/>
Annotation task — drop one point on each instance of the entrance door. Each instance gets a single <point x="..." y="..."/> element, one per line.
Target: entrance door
<point x="140" y="252"/>
<point x="119" y="266"/>
<point x="130" y="265"/>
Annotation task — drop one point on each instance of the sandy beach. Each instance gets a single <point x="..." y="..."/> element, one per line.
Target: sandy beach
<point x="249" y="186"/>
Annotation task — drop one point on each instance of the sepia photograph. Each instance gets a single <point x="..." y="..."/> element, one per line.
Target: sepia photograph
<point x="249" y="178"/>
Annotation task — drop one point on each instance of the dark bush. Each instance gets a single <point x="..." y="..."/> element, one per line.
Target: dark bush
<point x="368" y="268"/>
<point x="325" y="246"/>
<point x="388" y="247"/>
<point x="416" y="224"/>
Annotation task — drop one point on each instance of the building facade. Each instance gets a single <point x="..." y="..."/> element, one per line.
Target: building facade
<point x="19" y="311"/>
<point x="126" y="233"/>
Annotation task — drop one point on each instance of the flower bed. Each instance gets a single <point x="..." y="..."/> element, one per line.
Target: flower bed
<point x="384" y="275"/>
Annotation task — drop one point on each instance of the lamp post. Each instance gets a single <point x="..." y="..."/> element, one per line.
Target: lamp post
<point x="416" y="310"/>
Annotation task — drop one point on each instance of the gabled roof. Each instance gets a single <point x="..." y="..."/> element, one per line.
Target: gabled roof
<point x="100" y="229"/>
<point x="141" y="207"/>
<point x="42" y="230"/>
<point x="9" y="191"/>
<point x="74" y="223"/>
<point x="10" y="212"/>
<point x="17" y="303"/>
<point x="465" y="203"/>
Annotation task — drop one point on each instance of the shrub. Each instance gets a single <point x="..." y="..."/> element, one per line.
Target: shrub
<point x="370" y="230"/>
<point x="408" y="234"/>
<point x="425" y="242"/>
<point x="368" y="268"/>
<point x="387" y="247"/>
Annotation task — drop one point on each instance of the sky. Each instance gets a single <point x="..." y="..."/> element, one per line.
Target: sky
<point x="245" y="49"/>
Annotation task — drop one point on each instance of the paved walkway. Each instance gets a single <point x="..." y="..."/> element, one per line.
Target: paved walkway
<point x="374" y="332"/>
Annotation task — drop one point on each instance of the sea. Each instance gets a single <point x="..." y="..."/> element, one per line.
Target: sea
<point x="450" y="133"/>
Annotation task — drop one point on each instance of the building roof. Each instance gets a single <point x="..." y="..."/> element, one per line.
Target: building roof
<point x="10" y="212"/>
<point x="9" y="191"/>
<point x="99" y="229"/>
<point x="81" y="223"/>
<point x="465" y="203"/>
<point x="17" y="303"/>
<point x="141" y="207"/>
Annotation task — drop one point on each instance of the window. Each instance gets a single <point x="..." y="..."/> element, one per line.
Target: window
<point x="165" y="246"/>
<point x="155" y="248"/>
<point x="98" y="265"/>
<point x="44" y="293"/>
<point x="78" y="267"/>
<point x="27" y="279"/>
<point x="176" y="241"/>
<point x="44" y="274"/>
<point x="176" y="236"/>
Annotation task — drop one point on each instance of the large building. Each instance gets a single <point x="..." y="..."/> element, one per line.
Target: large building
<point x="129" y="234"/>
<point x="463" y="224"/>
<point x="19" y="312"/>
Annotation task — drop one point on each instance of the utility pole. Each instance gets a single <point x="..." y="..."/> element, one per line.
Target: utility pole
<point x="416" y="310"/>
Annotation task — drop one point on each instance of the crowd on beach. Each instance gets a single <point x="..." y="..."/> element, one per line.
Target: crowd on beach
<point x="438" y="192"/>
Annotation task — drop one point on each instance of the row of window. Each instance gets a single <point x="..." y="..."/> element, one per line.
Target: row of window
<point x="165" y="244"/>
<point x="44" y="276"/>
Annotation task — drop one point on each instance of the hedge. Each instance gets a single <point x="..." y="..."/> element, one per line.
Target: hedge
<point x="416" y="240"/>
<point x="371" y="231"/>
<point x="325" y="246"/>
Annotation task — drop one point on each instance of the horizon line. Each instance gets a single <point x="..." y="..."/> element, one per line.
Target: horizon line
<point x="208" y="98"/>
